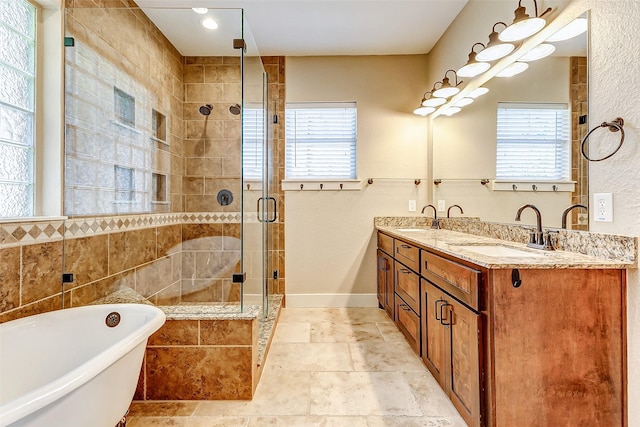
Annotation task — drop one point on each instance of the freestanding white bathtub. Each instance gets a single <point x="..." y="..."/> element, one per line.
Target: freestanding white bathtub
<point x="68" y="368"/>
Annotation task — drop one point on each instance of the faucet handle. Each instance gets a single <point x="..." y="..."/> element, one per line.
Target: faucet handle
<point x="532" y="235"/>
<point x="547" y="244"/>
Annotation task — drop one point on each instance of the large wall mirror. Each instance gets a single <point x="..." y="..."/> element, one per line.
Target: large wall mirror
<point x="464" y="145"/>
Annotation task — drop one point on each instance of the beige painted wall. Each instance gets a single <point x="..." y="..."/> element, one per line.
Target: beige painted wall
<point x="329" y="234"/>
<point x="614" y="90"/>
<point x="464" y="147"/>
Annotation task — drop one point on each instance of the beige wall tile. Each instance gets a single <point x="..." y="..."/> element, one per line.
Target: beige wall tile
<point x="131" y="248"/>
<point x="226" y="332"/>
<point x="9" y="278"/>
<point x="176" y="332"/>
<point x="87" y="258"/>
<point x="41" y="271"/>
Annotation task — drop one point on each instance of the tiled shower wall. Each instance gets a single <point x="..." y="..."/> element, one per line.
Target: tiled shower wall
<point x="118" y="44"/>
<point x="123" y="108"/>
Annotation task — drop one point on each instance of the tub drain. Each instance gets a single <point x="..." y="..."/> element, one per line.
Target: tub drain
<point x="112" y="319"/>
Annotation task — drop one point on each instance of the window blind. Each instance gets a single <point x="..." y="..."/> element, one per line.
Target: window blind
<point x="253" y="140"/>
<point x="321" y="141"/>
<point x="533" y="142"/>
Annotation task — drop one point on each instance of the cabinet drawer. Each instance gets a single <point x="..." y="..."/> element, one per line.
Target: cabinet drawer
<point x="407" y="254"/>
<point x="408" y="286"/>
<point x="459" y="280"/>
<point x="409" y="323"/>
<point x="385" y="243"/>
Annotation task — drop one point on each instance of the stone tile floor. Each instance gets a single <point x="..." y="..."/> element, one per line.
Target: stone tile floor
<point x="326" y="367"/>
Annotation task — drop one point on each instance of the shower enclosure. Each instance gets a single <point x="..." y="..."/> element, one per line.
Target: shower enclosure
<point x="167" y="158"/>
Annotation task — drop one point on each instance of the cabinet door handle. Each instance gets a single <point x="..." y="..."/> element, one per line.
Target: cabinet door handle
<point x="442" y="318"/>
<point x="405" y="246"/>
<point x="435" y="307"/>
<point x="405" y="271"/>
<point x="404" y="307"/>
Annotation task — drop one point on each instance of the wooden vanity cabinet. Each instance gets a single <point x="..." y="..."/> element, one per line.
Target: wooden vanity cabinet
<point x="545" y="350"/>
<point x="451" y="342"/>
<point x="385" y="283"/>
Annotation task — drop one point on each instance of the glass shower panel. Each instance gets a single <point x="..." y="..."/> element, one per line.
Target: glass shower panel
<point x="255" y="173"/>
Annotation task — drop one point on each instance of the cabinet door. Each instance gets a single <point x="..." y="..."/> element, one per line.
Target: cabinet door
<point x="433" y="332"/>
<point x="464" y="349"/>
<point x="385" y="283"/>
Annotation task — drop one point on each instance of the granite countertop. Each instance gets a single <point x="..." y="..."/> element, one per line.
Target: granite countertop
<point x="496" y="254"/>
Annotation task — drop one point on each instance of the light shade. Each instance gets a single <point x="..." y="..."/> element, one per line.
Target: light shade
<point x="572" y="29"/>
<point x="446" y="90"/>
<point x="451" y="111"/>
<point x="433" y="102"/>
<point x="541" y="51"/>
<point x="513" y="69"/>
<point x="522" y="29"/>
<point x="495" y="48"/>
<point x="463" y="102"/>
<point x="472" y="69"/>
<point x="200" y="10"/>
<point x="479" y="91"/>
<point x="423" y="111"/>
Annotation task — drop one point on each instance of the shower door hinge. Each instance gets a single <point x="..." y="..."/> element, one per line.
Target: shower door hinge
<point x="69" y="42"/>
<point x="67" y="277"/>
<point x="239" y="44"/>
<point x="275" y="118"/>
<point x="239" y="277"/>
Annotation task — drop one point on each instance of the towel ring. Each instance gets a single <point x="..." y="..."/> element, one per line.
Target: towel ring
<point x="614" y="126"/>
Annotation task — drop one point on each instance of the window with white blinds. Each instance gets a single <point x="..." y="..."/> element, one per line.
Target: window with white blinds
<point x="533" y="142"/>
<point x="321" y="140"/>
<point x="253" y="140"/>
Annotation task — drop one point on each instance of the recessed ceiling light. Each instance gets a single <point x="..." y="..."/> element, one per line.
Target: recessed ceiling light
<point x="209" y="23"/>
<point x="200" y="10"/>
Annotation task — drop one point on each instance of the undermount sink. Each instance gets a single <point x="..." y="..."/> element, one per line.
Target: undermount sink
<point x="500" y="251"/>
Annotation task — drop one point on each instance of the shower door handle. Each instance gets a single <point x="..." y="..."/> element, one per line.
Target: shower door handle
<point x="275" y="209"/>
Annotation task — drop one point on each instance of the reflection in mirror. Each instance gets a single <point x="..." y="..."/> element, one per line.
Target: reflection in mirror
<point x="465" y="145"/>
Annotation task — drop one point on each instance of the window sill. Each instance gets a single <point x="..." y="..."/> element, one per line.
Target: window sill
<point x="533" y="185"/>
<point x="32" y="219"/>
<point x="321" y="185"/>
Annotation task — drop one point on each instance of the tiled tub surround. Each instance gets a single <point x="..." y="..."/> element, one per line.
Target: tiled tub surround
<point x="160" y="256"/>
<point x="621" y="250"/>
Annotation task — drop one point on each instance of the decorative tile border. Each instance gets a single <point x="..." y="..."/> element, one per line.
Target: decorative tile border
<point x="609" y="246"/>
<point x="47" y="230"/>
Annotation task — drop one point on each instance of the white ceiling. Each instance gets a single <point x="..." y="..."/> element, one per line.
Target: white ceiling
<point x="307" y="27"/>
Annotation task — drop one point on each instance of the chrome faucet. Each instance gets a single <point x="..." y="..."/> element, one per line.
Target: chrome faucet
<point x="566" y="212"/>
<point x="454" y="206"/>
<point x="435" y="223"/>
<point x="537" y="239"/>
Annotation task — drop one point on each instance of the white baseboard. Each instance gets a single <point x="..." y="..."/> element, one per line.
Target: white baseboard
<point x="331" y="300"/>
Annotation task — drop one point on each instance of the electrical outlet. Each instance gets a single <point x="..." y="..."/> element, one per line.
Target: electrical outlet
<point x="603" y="207"/>
<point x="441" y="205"/>
<point x="412" y="205"/>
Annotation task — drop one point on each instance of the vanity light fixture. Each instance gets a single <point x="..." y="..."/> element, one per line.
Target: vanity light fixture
<point x="446" y="90"/>
<point x="495" y="49"/>
<point x="513" y="69"/>
<point x="523" y="25"/>
<point x="431" y="101"/>
<point x="463" y="102"/>
<point x="477" y="92"/>
<point x="572" y="29"/>
<point x="541" y="51"/>
<point x="209" y="23"/>
<point x="473" y="68"/>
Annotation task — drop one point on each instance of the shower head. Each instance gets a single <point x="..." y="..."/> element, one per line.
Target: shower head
<point x="205" y="110"/>
<point x="235" y="109"/>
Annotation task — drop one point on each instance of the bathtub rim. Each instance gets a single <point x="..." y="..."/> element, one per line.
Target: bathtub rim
<point x="46" y="394"/>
